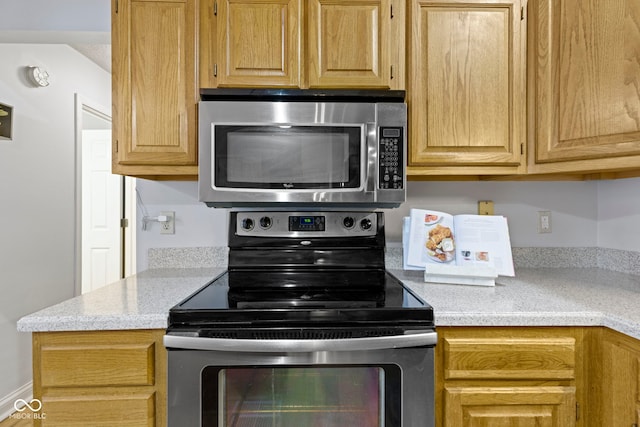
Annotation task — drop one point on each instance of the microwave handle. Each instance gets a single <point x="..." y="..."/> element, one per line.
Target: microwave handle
<point x="414" y="339"/>
<point x="371" y="171"/>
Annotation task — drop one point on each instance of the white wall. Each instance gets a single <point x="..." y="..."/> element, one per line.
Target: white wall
<point x="195" y="224"/>
<point x="37" y="192"/>
<point x="619" y="214"/>
<point x="573" y="206"/>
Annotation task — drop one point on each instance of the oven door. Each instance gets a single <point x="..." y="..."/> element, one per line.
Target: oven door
<point x="352" y="382"/>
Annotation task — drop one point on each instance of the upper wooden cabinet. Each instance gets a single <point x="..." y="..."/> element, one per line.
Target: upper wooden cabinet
<point x="466" y="87"/>
<point x="350" y="43"/>
<point x="584" y="93"/>
<point x="258" y="42"/>
<point x="155" y="92"/>
<point x="302" y="44"/>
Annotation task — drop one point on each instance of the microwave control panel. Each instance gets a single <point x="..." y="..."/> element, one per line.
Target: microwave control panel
<point x="390" y="158"/>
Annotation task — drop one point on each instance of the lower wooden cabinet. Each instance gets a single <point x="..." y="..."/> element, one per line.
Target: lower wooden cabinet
<point x="510" y="406"/>
<point x="485" y="376"/>
<point x="508" y="376"/>
<point x="100" y="378"/>
<point x="614" y="391"/>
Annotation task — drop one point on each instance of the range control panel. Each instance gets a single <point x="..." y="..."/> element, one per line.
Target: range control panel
<point x="310" y="224"/>
<point x="390" y="158"/>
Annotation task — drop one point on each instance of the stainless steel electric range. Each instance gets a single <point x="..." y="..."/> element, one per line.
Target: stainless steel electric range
<point x="306" y="328"/>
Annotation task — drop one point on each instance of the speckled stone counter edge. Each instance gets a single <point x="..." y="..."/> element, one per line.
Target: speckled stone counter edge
<point x="197" y="257"/>
<point x="605" y="258"/>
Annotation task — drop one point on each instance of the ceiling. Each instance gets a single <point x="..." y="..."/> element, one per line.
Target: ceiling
<point x="98" y="53"/>
<point x="85" y="25"/>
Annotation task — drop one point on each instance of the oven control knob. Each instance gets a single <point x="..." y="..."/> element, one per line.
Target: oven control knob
<point x="247" y="224"/>
<point x="365" y="224"/>
<point x="265" y="222"/>
<point x="348" y="222"/>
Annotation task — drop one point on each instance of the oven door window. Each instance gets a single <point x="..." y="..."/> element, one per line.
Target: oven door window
<point x="296" y="396"/>
<point x="292" y="158"/>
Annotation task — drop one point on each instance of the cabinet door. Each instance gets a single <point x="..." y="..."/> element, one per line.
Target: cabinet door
<point x="617" y="401"/>
<point x="258" y="42"/>
<point x="350" y="43"/>
<point x="510" y="406"/>
<point x="97" y="408"/>
<point x="585" y="97"/>
<point x="100" y="378"/>
<point x="466" y="85"/>
<point x="154" y="86"/>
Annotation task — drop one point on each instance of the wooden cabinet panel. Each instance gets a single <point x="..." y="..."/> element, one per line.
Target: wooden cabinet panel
<point x="100" y="378"/>
<point x="131" y="410"/>
<point x="510" y="406"/>
<point x="258" y="42"/>
<point x="349" y="43"/>
<point x="466" y="85"/>
<point x="615" y="393"/>
<point x="97" y="365"/>
<point x="302" y="44"/>
<point x="510" y="358"/>
<point x="509" y="376"/>
<point x="585" y="75"/>
<point x="154" y="86"/>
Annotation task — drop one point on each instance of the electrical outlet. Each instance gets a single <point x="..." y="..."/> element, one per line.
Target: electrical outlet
<point x="544" y="222"/>
<point x="485" y="207"/>
<point x="168" y="226"/>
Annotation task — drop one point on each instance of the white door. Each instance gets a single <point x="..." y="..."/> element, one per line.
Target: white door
<point x="101" y="212"/>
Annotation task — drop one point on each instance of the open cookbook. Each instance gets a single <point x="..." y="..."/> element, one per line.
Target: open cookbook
<point x="432" y="237"/>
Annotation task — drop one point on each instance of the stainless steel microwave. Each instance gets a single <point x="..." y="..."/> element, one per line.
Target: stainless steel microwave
<point x="302" y="148"/>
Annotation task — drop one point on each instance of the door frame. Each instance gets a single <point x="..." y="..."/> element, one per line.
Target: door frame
<point x="127" y="248"/>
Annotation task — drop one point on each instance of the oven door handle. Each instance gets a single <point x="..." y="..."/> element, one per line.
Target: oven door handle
<point x="413" y="339"/>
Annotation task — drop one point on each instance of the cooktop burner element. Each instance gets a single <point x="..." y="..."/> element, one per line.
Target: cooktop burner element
<point x="301" y="273"/>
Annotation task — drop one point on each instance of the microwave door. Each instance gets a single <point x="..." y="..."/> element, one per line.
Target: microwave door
<point x="290" y="159"/>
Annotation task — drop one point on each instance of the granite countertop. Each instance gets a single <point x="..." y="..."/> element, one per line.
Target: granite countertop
<point x="141" y="301"/>
<point x="535" y="297"/>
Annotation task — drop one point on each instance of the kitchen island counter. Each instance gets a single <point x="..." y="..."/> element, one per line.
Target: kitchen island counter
<point x="535" y="297"/>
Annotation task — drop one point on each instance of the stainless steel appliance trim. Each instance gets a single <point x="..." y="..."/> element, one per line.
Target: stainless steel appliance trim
<point x="424" y="338"/>
<point x="334" y="223"/>
<point x="366" y="140"/>
<point x="391" y="114"/>
<point x="184" y="372"/>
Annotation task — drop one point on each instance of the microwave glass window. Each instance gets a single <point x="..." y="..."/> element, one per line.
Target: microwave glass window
<point x="301" y="396"/>
<point x="293" y="157"/>
<point x="301" y="158"/>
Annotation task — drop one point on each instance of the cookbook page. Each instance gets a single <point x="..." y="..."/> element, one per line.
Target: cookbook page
<point x="484" y="240"/>
<point x="431" y="238"/>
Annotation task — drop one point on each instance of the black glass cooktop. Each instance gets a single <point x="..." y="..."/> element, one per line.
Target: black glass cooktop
<point x="301" y="300"/>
